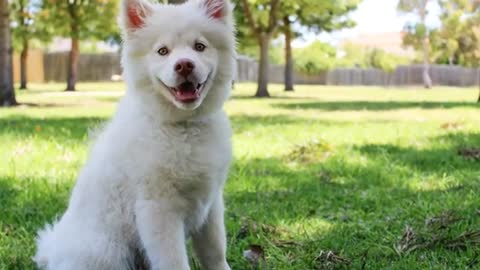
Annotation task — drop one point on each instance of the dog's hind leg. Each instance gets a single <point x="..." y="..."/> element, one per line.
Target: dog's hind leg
<point x="74" y="248"/>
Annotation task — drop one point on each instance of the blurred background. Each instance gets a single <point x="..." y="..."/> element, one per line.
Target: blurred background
<point x="356" y="128"/>
<point x="348" y="42"/>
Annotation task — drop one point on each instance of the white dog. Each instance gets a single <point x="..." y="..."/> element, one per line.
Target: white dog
<point x="156" y="173"/>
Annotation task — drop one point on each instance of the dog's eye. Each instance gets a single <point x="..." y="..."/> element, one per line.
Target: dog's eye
<point x="200" y="47"/>
<point x="163" y="51"/>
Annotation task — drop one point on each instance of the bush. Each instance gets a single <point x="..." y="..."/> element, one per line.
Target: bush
<point x="315" y="58"/>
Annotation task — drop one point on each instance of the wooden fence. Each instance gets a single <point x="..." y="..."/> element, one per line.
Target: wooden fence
<point x="401" y="76"/>
<point x="34" y="66"/>
<point x="405" y="76"/>
<point x="91" y="67"/>
<point x="95" y="67"/>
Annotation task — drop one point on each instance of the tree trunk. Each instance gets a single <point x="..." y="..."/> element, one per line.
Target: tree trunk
<point x="263" y="68"/>
<point x="23" y="65"/>
<point x="7" y="92"/>
<point x="288" y="55"/>
<point x="427" y="81"/>
<point x="478" y="82"/>
<point x="73" y="65"/>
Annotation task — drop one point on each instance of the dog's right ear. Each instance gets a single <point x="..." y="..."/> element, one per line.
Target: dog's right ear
<point x="133" y="14"/>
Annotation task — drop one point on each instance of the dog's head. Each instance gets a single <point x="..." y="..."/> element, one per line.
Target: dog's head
<point x="185" y="53"/>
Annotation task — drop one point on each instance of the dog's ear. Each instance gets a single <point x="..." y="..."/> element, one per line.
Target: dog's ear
<point x="133" y="14"/>
<point x="217" y="9"/>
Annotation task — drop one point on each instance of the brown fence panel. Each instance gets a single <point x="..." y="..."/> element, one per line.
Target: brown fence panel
<point x="101" y="67"/>
<point x="91" y="67"/>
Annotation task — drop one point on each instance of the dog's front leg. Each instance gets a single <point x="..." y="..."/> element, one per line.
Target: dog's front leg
<point x="162" y="234"/>
<point x="210" y="241"/>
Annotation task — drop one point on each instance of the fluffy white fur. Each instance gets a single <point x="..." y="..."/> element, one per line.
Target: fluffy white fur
<point x="156" y="173"/>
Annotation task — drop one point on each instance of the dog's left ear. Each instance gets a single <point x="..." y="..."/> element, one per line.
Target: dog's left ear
<point x="133" y="14"/>
<point x="217" y="9"/>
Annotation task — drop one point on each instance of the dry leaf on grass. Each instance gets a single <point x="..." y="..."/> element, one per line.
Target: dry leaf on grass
<point x="470" y="153"/>
<point x="463" y="240"/>
<point x="286" y="243"/>
<point x="407" y="243"/>
<point x="443" y="221"/>
<point x="248" y="226"/>
<point x="311" y="152"/>
<point x="452" y="126"/>
<point x="436" y="234"/>
<point x="329" y="260"/>
<point x="243" y="232"/>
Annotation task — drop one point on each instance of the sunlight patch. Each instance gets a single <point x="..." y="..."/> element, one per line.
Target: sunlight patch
<point x="433" y="183"/>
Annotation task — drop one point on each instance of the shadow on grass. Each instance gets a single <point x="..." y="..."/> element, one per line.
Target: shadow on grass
<point x="373" y="105"/>
<point x="75" y="128"/>
<point x="26" y="206"/>
<point x="44" y="105"/>
<point x="242" y="123"/>
<point x="364" y="207"/>
<point x="443" y="158"/>
<point x="281" y="97"/>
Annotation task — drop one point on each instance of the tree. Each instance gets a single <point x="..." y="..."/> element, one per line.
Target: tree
<point x="455" y="34"/>
<point x="80" y="20"/>
<point x="419" y="7"/>
<point x="317" y="16"/>
<point x="287" y="30"/>
<point x="460" y="31"/>
<point x="7" y="92"/>
<point x="452" y="27"/>
<point x="21" y="32"/>
<point x="262" y="25"/>
<point x="27" y="25"/>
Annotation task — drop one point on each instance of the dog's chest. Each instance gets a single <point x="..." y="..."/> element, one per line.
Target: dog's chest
<point x="192" y="150"/>
<point x="188" y="161"/>
<point x="193" y="160"/>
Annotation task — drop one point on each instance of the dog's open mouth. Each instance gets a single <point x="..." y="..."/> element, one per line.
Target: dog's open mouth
<point x="187" y="92"/>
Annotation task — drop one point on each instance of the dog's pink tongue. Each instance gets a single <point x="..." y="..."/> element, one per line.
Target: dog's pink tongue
<point x="186" y="92"/>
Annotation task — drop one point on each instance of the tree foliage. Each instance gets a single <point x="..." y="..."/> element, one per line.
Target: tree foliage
<point x="29" y="22"/>
<point x="320" y="56"/>
<point x="456" y="41"/>
<point x="315" y="58"/>
<point x="82" y="19"/>
<point x="459" y="35"/>
<point x="359" y="57"/>
<point x="320" y="16"/>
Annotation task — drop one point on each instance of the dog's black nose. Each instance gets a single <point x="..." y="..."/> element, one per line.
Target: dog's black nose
<point x="184" y="67"/>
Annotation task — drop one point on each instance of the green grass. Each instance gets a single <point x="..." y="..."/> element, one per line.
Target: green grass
<point x="323" y="169"/>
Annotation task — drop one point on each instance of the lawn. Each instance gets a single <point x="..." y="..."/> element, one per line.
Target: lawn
<point x="323" y="178"/>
